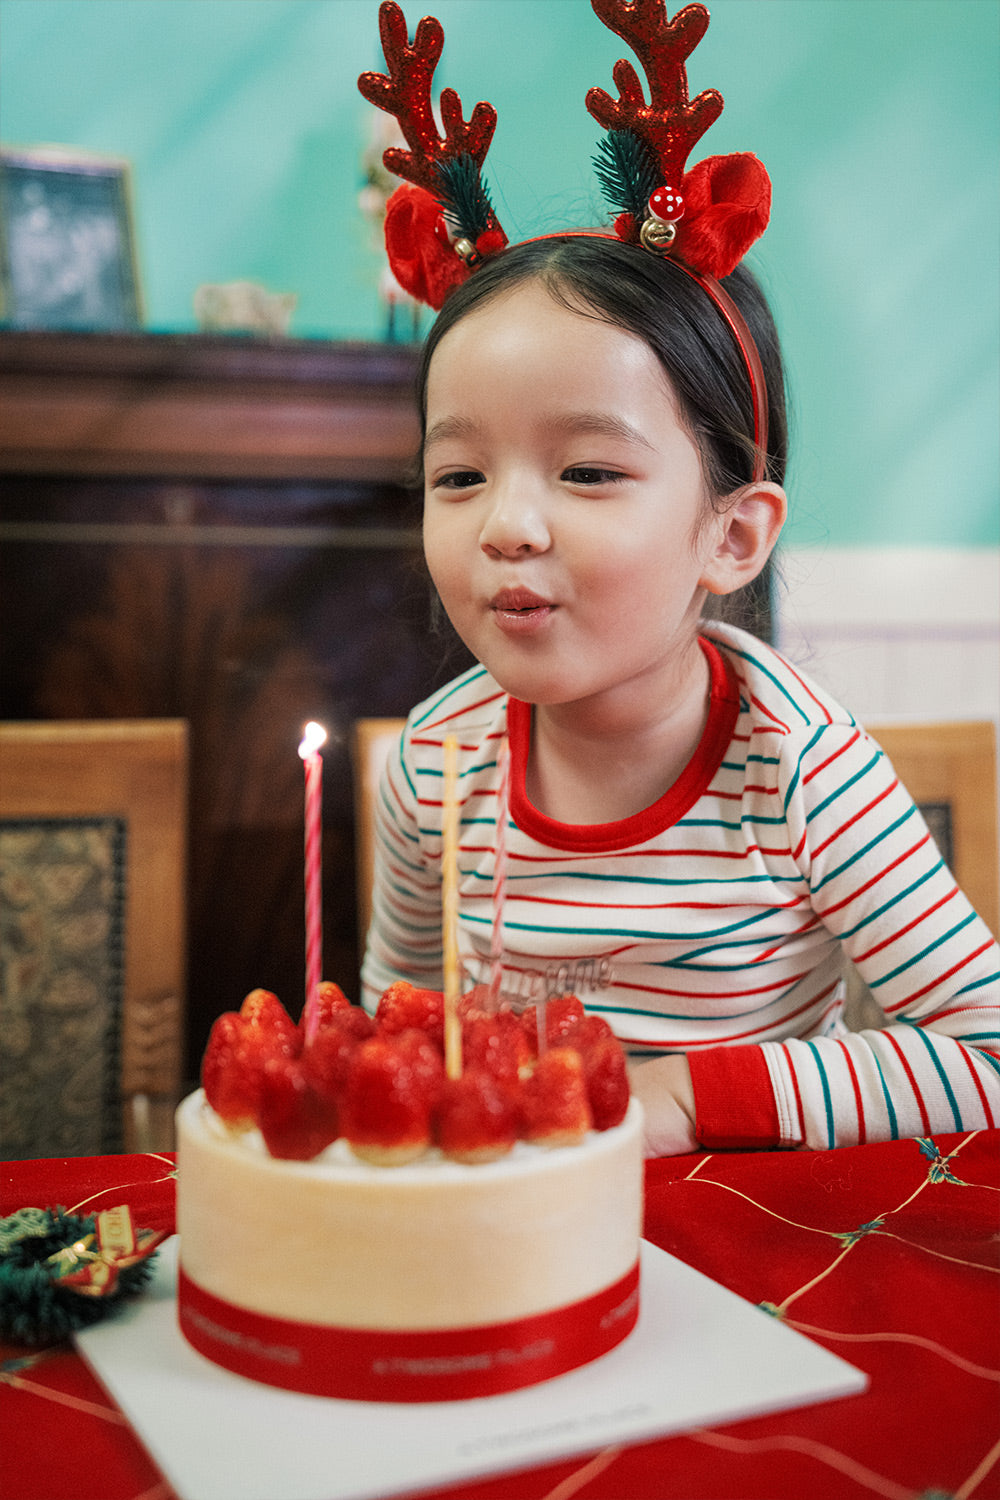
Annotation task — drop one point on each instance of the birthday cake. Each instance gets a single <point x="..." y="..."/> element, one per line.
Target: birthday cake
<point x="356" y="1221"/>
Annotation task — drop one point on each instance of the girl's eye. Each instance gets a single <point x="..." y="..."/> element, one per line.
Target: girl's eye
<point x="459" y="479"/>
<point x="590" y="474"/>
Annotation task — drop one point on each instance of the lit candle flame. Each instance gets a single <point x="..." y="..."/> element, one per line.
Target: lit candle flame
<point x="313" y="736"/>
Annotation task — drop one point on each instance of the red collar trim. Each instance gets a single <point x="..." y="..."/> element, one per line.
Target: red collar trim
<point x="601" y="838"/>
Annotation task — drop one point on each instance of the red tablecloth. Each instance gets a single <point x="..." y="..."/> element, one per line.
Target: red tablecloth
<point x="886" y="1254"/>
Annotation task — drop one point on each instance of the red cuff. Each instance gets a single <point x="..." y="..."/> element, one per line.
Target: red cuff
<point x="734" y="1101"/>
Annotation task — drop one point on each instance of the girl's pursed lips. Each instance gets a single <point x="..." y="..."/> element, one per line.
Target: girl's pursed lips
<point x="519" y="612"/>
<point x="517" y="600"/>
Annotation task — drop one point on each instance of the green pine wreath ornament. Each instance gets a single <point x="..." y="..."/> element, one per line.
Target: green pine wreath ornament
<point x="42" y="1252"/>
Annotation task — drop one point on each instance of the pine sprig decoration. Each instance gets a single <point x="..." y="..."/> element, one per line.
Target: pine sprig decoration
<point x="464" y="197"/>
<point x="627" y="171"/>
<point x="33" y="1309"/>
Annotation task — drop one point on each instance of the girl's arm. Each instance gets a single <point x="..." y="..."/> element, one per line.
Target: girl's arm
<point x="876" y="881"/>
<point x="664" y="1088"/>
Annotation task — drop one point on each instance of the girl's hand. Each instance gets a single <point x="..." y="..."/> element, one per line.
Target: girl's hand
<point x="663" y="1087"/>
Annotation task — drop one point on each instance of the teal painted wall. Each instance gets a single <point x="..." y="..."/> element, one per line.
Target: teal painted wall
<point x="877" y="119"/>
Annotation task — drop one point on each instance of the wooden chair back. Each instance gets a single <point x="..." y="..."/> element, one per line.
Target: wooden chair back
<point x="372" y="740"/>
<point x="93" y="839"/>
<point x="949" y="769"/>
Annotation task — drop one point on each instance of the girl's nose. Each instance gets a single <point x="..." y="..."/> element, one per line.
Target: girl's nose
<point x="515" y="523"/>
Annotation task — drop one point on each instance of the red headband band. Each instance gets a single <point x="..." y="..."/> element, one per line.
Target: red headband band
<point x="747" y="346"/>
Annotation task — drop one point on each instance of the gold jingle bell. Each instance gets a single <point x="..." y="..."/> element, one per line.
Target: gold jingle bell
<point x="466" y="250"/>
<point x="658" y="235"/>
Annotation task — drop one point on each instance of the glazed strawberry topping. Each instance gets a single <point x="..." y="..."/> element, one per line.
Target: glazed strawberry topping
<point x="239" y="1046"/>
<point x="426" y="1060"/>
<point x="295" y="1122"/>
<point x="380" y="1084"/>
<point x="385" y="1112"/>
<point x="327" y="1058"/>
<point x="264" y="1016"/>
<point x="403" y="1008"/>
<point x="231" y="1083"/>
<point x="607" y="1082"/>
<point x="554" y="1105"/>
<point x="562" y="1016"/>
<point x="476" y="1118"/>
<point x="498" y="1045"/>
<point x="330" y="1001"/>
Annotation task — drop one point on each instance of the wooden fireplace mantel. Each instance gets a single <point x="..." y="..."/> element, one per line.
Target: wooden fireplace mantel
<point x="205" y="406"/>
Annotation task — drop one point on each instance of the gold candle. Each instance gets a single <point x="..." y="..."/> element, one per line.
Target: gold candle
<point x="449" y="901"/>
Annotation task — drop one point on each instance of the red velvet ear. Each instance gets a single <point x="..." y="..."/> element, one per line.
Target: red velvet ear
<point x="491" y="242"/>
<point x="727" y="203"/>
<point x="421" y="264"/>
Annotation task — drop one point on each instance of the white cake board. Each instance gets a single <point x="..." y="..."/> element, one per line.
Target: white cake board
<point x="699" y="1356"/>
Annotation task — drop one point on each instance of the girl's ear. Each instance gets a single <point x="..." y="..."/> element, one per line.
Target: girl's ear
<point x="743" y="537"/>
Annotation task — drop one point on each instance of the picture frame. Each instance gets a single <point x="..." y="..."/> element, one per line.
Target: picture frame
<point x="67" y="241"/>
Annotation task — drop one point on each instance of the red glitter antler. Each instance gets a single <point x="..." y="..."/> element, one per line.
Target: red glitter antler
<point x="669" y="124"/>
<point x="405" y="92"/>
<point x="708" y="217"/>
<point x="439" y="223"/>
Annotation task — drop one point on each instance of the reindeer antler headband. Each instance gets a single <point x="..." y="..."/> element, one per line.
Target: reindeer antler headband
<point x="440" y="224"/>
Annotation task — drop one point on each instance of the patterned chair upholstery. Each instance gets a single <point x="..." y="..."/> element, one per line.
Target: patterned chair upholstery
<point x="92" y="935"/>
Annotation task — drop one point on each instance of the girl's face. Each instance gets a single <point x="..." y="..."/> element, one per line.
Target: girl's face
<point x="565" y="518"/>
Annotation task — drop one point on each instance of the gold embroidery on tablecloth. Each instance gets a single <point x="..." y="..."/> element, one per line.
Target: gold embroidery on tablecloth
<point x="938" y="1174"/>
<point x="888" y="1337"/>
<point x="880" y="1484"/>
<point x="574" y="1483"/>
<point x="107" y="1413"/>
<point x="124" y="1186"/>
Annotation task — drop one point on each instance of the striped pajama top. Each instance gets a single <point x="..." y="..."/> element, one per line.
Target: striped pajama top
<point x="716" y="921"/>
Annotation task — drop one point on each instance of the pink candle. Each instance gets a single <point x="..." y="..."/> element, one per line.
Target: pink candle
<point x="313" y="736"/>
<point x="499" y="874"/>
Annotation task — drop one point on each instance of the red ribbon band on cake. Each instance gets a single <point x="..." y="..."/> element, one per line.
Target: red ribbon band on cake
<point x="363" y="1364"/>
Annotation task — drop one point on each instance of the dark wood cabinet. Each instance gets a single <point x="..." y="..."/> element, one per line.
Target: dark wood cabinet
<point x="221" y="530"/>
<point x="207" y="407"/>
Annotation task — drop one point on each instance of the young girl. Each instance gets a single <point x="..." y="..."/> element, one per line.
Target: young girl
<point x="697" y="833"/>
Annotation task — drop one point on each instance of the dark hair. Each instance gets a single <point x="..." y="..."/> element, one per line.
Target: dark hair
<point x="643" y="293"/>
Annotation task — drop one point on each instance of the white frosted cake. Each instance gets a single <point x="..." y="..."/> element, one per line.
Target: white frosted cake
<point x="431" y="1279"/>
